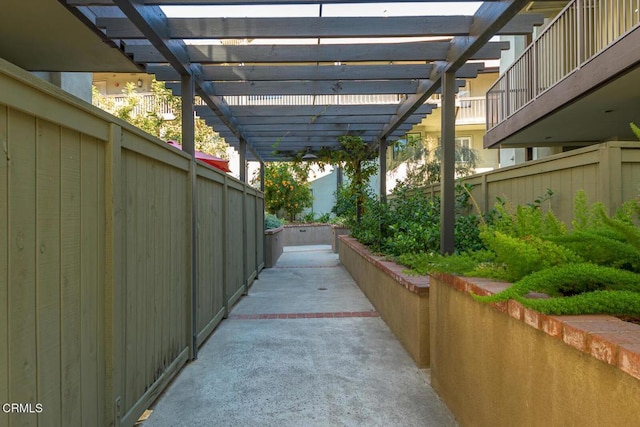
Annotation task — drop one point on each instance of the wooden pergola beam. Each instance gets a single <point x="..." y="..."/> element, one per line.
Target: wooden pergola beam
<point x="325" y="87"/>
<point x="328" y="53"/>
<point x="256" y="73"/>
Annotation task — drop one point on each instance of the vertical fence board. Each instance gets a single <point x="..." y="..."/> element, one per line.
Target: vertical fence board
<point x="22" y="296"/>
<point x="5" y="207"/>
<point x="90" y="229"/>
<point x="129" y="161"/>
<point x="100" y="276"/>
<point x="140" y="257"/>
<point x="48" y="272"/>
<point x="114" y="261"/>
<point x="147" y="299"/>
<point x="70" y="275"/>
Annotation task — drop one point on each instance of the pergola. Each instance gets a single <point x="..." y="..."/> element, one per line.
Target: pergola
<point x="365" y="76"/>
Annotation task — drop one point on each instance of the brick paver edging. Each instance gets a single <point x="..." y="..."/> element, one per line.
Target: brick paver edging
<point x="263" y="316"/>
<point x="606" y="338"/>
<point x="416" y="284"/>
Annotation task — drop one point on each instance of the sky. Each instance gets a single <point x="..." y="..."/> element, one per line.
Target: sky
<point x="353" y="9"/>
<point x="347" y="9"/>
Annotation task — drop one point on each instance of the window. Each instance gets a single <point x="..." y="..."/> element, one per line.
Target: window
<point x="402" y="143"/>
<point x="463" y="146"/>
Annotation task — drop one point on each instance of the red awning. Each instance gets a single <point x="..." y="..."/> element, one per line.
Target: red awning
<point x="216" y="162"/>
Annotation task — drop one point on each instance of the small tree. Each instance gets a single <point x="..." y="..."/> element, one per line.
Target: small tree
<point x="357" y="159"/>
<point x="286" y="188"/>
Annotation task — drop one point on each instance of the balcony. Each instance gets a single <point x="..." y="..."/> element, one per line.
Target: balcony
<point x="564" y="87"/>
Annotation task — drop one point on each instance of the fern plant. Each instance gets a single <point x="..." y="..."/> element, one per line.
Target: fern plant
<point x="573" y="280"/>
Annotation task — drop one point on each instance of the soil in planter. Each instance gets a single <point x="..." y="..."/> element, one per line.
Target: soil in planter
<point x="630" y="319"/>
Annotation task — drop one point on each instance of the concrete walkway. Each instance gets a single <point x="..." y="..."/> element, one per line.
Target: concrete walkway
<point x="304" y="348"/>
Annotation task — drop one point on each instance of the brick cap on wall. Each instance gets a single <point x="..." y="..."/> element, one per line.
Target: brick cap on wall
<point x="416" y="284"/>
<point x="606" y="338"/>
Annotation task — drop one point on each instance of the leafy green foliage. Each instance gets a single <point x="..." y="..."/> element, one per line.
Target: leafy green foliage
<point x="635" y="129"/>
<point x="153" y="122"/>
<point x="463" y="263"/>
<point x="410" y="223"/>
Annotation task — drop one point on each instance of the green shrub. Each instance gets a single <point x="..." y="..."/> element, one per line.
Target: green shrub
<point x="271" y="221"/>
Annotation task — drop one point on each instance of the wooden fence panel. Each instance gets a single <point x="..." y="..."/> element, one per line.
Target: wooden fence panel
<point x="156" y="272"/>
<point x="52" y="270"/>
<point x="211" y="246"/>
<point x="95" y="257"/>
<point x="607" y="173"/>
<point x="235" y="242"/>
<point x="4" y="256"/>
<point x="251" y="270"/>
<point x="260" y="231"/>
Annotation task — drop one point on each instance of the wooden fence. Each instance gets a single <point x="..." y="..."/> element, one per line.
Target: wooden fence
<point x="104" y="288"/>
<point x="607" y="172"/>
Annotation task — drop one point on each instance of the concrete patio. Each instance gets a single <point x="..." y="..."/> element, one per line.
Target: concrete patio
<point x="304" y="348"/>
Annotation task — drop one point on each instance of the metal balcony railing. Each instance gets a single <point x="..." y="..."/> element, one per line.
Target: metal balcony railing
<point x="470" y="110"/>
<point x="312" y="99"/>
<point x="579" y="33"/>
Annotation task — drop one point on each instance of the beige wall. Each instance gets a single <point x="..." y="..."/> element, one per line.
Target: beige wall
<point x="493" y="370"/>
<point x="115" y="83"/>
<point x="405" y="312"/>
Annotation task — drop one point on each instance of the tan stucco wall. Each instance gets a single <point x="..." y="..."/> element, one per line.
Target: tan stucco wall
<point x="307" y="234"/>
<point x="494" y="370"/>
<point x="405" y="312"/>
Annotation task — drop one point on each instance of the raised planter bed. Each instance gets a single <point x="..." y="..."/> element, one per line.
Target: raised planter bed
<point x="506" y="365"/>
<point x="401" y="300"/>
<point x="273" y="246"/>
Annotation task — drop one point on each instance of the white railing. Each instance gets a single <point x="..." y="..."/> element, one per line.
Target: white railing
<point x="470" y="110"/>
<point x="146" y="103"/>
<point x="580" y="32"/>
<point x="312" y="99"/>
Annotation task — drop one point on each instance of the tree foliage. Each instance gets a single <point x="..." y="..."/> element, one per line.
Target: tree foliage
<point x="154" y="120"/>
<point x="286" y="188"/>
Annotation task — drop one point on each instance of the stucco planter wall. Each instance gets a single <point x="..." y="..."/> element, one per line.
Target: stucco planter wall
<point x="307" y="234"/>
<point x="506" y="365"/>
<point x="336" y="232"/>
<point x="274" y="245"/>
<point x="401" y="300"/>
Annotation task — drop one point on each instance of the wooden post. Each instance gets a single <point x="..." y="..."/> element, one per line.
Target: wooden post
<point x="188" y="146"/>
<point x="382" y="153"/>
<point x="227" y="245"/>
<point x="243" y="160"/>
<point x="262" y="171"/>
<point x="447" y="181"/>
